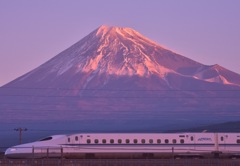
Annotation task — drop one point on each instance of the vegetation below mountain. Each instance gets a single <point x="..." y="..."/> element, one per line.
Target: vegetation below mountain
<point x="220" y="127"/>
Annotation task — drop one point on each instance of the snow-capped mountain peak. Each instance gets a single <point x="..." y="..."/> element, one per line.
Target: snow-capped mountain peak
<point x="119" y="32"/>
<point x="116" y="51"/>
<point x="111" y="50"/>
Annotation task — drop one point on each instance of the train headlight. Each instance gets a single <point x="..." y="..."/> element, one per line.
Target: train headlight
<point x="12" y="149"/>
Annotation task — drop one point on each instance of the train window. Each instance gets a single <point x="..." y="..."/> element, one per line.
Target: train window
<point x="119" y="141"/>
<point x="88" y="141"/>
<point x="69" y="139"/>
<point x="182" y="141"/>
<point x="111" y="141"/>
<point x="46" y="139"/>
<point x="127" y="141"/>
<point x="238" y="141"/>
<point x="174" y="141"/>
<point x="135" y="141"/>
<point x="76" y="138"/>
<point x="96" y="141"/>
<point x="104" y="141"/>
<point x="166" y="141"/>
<point x="191" y="138"/>
<point x="158" y="141"/>
<point x="143" y="141"/>
<point x="151" y="141"/>
<point x="222" y="138"/>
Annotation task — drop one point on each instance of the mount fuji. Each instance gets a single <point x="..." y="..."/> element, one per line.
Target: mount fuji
<point x="115" y="79"/>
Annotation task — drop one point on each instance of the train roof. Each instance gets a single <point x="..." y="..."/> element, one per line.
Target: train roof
<point x="183" y="133"/>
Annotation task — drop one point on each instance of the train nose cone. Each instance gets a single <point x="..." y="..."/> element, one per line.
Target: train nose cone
<point x="10" y="152"/>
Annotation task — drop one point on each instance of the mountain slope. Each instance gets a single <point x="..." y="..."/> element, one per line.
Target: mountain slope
<point x="118" y="76"/>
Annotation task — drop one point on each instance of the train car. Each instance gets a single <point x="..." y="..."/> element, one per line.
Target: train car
<point x="131" y="145"/>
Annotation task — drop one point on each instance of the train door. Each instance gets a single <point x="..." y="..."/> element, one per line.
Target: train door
<point x="73" y="139"/>
<point x="74" y="142"/>
<point x="216" y="142"/>
<point x="77" y="141"/>
<point x="69" y="140"/>
<point x="222" y="142"/>
<point x="192" y="141"/>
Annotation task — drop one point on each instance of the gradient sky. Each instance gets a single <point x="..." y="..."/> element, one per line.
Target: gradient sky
<point x="33" y="31"/>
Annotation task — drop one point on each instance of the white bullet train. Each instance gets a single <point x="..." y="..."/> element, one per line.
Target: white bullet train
<point x="131" y="145"/>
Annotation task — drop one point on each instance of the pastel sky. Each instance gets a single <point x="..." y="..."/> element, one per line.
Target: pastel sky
<point x="33" y="31"/>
